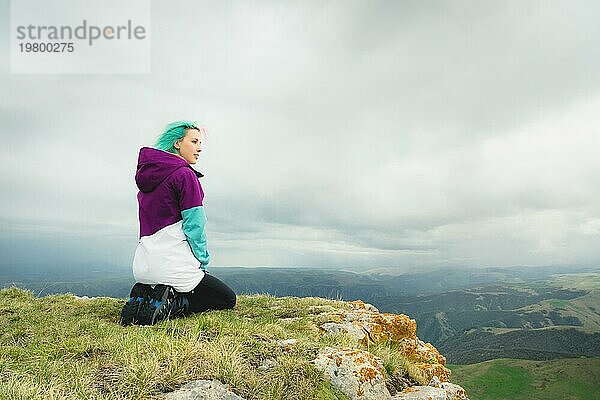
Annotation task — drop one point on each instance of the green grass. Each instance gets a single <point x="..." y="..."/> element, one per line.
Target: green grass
<point x="558" y="303"/>
<point x="61" y="347"/>
<point x="566" y="379"/>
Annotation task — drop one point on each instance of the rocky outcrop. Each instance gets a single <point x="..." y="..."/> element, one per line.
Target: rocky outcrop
<point x="367" y="325"/>
<point x="454" y="392"/>
<point x="357" y="373"/>
<point x="360" y="375"/>
<point x="422" y="393"/>
<point x="203" y="390"/>
<point x="445" y="391"/>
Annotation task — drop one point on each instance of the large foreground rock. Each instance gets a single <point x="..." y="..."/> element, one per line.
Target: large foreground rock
<point x="203" y="390"/>
<point x="445" y="391"/>
<point x="422" y="393"/>
<point x="356" y="373"/>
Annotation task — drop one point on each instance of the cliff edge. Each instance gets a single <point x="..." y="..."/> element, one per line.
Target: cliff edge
<point x="64" y="346"/>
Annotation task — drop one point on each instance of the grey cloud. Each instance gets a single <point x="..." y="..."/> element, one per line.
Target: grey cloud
<point x="340" y="133"/>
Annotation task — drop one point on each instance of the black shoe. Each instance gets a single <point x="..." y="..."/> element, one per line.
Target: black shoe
<point x="158" y="305"/>
<point x="181" y="306"/>
<point x="129" y="313"/>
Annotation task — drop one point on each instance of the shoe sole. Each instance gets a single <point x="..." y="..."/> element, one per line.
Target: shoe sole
<point x="150" y="311"/>
<point x="129" y="314"/>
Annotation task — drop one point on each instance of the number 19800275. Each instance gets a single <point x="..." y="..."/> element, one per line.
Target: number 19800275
<point x="46" y="47"/>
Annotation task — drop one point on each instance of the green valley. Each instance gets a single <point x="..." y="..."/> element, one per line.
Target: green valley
<point x="565" y="379"/>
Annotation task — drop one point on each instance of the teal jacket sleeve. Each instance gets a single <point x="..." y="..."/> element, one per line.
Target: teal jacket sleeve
<point x="190" y="195"/>
<point x="194" y="222"/>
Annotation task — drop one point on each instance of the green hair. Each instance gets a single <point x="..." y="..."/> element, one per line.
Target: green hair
<point x="172" y="133"/>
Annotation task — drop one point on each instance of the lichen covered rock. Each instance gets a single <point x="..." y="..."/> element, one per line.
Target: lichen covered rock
<point x="429" y="371"/>
<point x="357" y="373"/>
<point x="365" y="323"/>
<point x="422" y="393"/>
<point x="454" y="392"/>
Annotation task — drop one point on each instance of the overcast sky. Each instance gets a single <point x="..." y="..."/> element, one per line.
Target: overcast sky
<point x="340" y="133"/>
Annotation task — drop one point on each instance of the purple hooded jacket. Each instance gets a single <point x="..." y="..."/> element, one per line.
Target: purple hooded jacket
<point x="172" y="245"/>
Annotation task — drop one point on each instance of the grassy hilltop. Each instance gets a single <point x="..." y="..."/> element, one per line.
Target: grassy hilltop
<point x="62" y="346"/>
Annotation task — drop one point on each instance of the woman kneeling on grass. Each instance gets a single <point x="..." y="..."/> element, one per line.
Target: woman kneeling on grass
<point x="170" y="260"/>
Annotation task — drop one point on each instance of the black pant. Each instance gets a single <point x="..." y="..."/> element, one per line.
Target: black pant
<point x="210" y="294"/>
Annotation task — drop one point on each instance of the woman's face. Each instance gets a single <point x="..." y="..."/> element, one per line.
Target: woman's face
<point x="189" y="146"/>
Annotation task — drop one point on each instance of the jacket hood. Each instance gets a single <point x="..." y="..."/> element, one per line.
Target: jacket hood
<point x="154" y="166"/>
